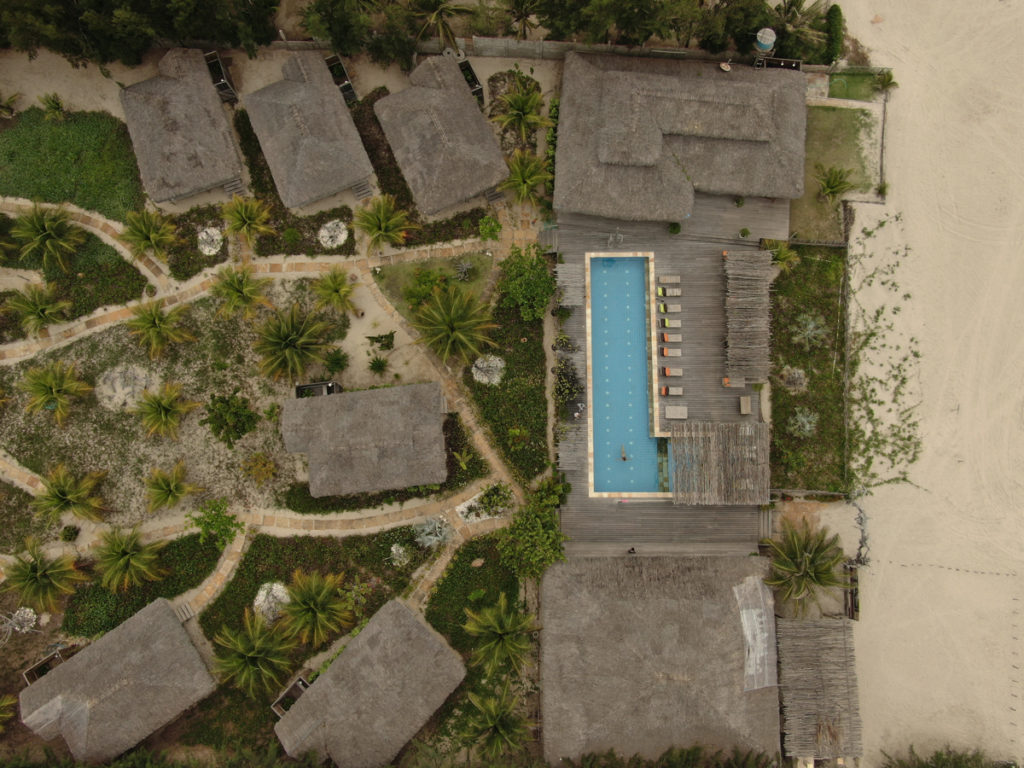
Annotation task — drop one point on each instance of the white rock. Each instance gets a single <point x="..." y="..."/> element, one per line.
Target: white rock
<point x="333" y="234"/>
<point x="210" y="241"/>
<point x="488" y="369"/>
<point x="271" y="599"/>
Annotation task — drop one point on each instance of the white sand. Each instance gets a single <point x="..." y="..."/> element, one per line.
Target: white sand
<point x="937" y="644"/>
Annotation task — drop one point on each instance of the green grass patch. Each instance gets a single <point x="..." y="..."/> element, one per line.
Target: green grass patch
<point x="17" y="520"/>
<point x="86" y="160"/>
<point x="408" y="284"/>
<point x="516" y="410"/>
<point x="859" y="86"/>
<point x="93" y="609"/>
<point x="228" y="718"/>
<point x="812" y="289"/>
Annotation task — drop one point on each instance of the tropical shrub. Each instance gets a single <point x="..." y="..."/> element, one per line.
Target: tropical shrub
<point x="336" y="361"/>
<point x="215" y="523"/>
<point x="784" y="256"/>
<point x="833" y="33"/>
<point x="525" y="173"/>
<point x="803" y="423"/>
<point x="809" y="331"/>
<point x="166" y="489"/>
<point x="230" y="417"/>
<point x="289" y="342"/>
<point x="259" y="467"/>
<point x="502" y="636"/>
<point x="53" y="107"/>
<point x="52" y="388"/>
<point x="63" y="492"/>
<point x="123" y="561"/>
<point x="804" y="562"/>
<point x="454" y="324"/>
<point x="8" y="703"/>
<point x="885" y="81"/>
<point x="495" y="726"/>
<point x="162" y="411"/>
<point x="489" y="228"/>
<point x="519" y="110"/>
<point x="148" y="230"/>
<point x="40" y="580"/>
<point x="156" y="328"/>
<point x="435" y="16"/>
<point x="378" y="365"/>
<point x="526" y="282"/>
<point x="383" y="222"/>
<point x="7" y="110"/>
<point x="239" y="290"/>
<point x="946" y="757"/>
<point x="832" y="182"/>
<point x="37" y="307"/>
<point x="318" y="607"/>
<point x="47" y="234"/>
<point x="334" y="291"/>
<point x="535" y="540"/>
<point x="433" y="532"/>
<point x="253" y="659"/>
<point x="248" y="218"/>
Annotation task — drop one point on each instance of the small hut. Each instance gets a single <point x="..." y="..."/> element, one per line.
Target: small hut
<point x="748" y="278"/>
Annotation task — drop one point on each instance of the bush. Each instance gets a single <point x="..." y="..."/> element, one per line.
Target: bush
<point x="490" y="228"/>
<point x="674" y="228"/>
<point x="260" y="468"/>
<point x="230" y="417"/>
<point x="526" y="282"/>
<point x="534" y="540"/>
<point x="215" y="523"/>
<point x="69" y="533"/>
<point x="568" y="387"/>
<point x="461" y="226"/>
<point x="184" y="259"/>
<point x="833" y="34"/>
<point x="551" y="145"/>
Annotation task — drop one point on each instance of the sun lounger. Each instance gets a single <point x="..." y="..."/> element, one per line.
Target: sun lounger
<point x="671" y="352"/>
<point x="672" y="372"/>
<point x="669" y="279"/>
<point x="666" y="323"/>
<point x="670" y="309"/>
<point x="670" y="291"/>
<point x="676" y="412"/>
<point x="672" y="338"/>
<point x="671" y="391"/>
<point x="745" y="405"/>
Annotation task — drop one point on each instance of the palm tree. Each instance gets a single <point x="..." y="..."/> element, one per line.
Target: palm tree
<point x="786" y="257"/>
<point x="123" y="561"/>
<point x="289" y="342"/>
<point x="795" y="22"/>
<point x="7" y="106"/>
<point x="162" y="411"/>
<point x="520" y="13"/>
<point x="255" y="658"/>
<point x="52" y="388"/>
<point x="503" y="635"/>
<point x="435" y="15"/>
<point x="166" y="489"/>
<point x="494" y="726"/>
<point x="148" y="230"/>
<point x="47" y="233"/>
<point x="41" y="580"/>
<point x="803" y="562"/>
<point x="53" y="107"/>
<point x="156" y="328"/>
<point x="521" y="111"/>
<point x="383" y="222"/>
<point x="526" y="172"/>
<point x="239" y="290"/>
<point x="63" y="492"/>
<point x="38" y="307"/>
<point x="334" y="290"/>
<point x="832" y="182"/>
<point x="885" y="81"/>
<point x="248" y="218"/>
<point x="454" y="323"/>
<point x="317" y="607"/>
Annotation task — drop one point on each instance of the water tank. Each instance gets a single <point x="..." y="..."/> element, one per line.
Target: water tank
<point x="765" y="40"/>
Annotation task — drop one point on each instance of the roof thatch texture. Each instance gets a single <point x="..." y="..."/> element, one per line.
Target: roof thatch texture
<point x="307" y="133"/>
<point x="444" y="145"/>
<point x="748" y="276"/>
<point x="374" y="697"/>
<point x="643" y="653"/>
<point x="121" y="688"/>
<point x="637" y="137"/>
<point x="179" y="129"/>
<point x="818" y="681"/>
<point x="375" y="440"/>
<point x="720" y="463"/>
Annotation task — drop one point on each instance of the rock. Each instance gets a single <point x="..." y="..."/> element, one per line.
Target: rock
<point x="477" y="563"/>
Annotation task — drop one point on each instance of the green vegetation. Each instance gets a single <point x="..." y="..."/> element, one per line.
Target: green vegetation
<point x="184" y="259"/>
<point x="534" y="540"/>
<point x="526" y="282"/>
<point x="156" y="328"/>
<point x="435" y="17"/>
<point x="519" y="110"/>
<point x="289" y="342"/>
<point x="942" y="758"/>
<point x="8" y="706"/>
<point x="167" y="489"/>
<point x="239" y="290"/>
<point x="526" y="172"/>
<point x="92" y="609"/>
<point x="163" y="411"/>
<point x="859" y="86"/>
<point x="835" y="34"/>
<point x="52" y="388"/>
<point x="496" y="725"/>
<point x="502" y="635"/>
<point x="253" y="658"/>
<point x="63" y="492"/>
<point x="37" y="307"/>
<point x="248" y="218"/>
<point x="334" y="291"/>
<point x="319" y="608"/>
<point x="16" y="524"/>
<point x="832" y="182"/>
<point x="383" y="223"/>
<point x="48" y="236"/>
<point x="408" y="284"/>
<point x="40" y="580"/>
<point x="678" y="757"/>
<point x="885" y="81"/>
<point x="123" y="561"/>
<point x="149" y="231"/>
<point x="804" y="563"/>
<point x="86" y="160"/>
<point x="808" y="373"/>
<point x="230" y="417"/>
<point x="454" y="324"/>
<point x="215" y="523"/>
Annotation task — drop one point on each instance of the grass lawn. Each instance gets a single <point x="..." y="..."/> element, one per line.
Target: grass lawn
<point x="408" y="283"/>
<point x="86" y="160"/>
<point x="859" y="86"/>
<point x="834" y="138"/>
<point x="813" y="288"/>
<point x="17" y="520"/>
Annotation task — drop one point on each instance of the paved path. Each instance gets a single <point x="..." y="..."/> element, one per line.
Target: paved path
<point x="17" y="475"/>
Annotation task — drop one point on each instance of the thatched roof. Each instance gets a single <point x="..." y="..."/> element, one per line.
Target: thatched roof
<point x="720" y="463"/>
<point x="179" y="129"/>
<point x="307" y="133"/>
<point x="444" y="145"/>
<point x="376" y="440"/>
<point x="121" y="688"/>
<point x="643" y="653"/>
<point x="818" y="681"/>
<point x="637" y="137"/>
<point x="748" y="276"/>
<point x="376" y="695"/>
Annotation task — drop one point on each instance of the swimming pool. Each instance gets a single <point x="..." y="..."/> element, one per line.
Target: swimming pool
<point x="621" y="377"/>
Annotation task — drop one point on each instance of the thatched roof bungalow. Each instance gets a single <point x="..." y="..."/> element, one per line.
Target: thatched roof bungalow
<point x="444" y="145"/>
<point x="307" y="133"/>
<point x="375" y="440"/>
<point x="179" y="128"/>
<point x="374" y="697"/>
<point x="637" y="137"/>
<point x="720" y="463"/>
<point x="117" y="691"/>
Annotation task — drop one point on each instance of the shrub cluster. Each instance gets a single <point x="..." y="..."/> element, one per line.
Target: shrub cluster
<point x="551" y="145"/>
<point x="534" y="540"/>
<point x="184" y="259"/>
<point x="833" y="34"/>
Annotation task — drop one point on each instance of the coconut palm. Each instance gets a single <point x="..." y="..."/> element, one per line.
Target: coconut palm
<point x="123" y="561"/>
<point x="47" y="234"/>
<point x="885" y="81"/>
<point x="162" y="411"/>
<point x="37" y="307"/>
<point x="255" y="658"/>
<point x="436" y="16"/>
<point x="149" y="230"/>
<point x="785" y="257"/>
<point x="52" y="388"/>
<point x="494" y="726"/>
<point x="157" y="328"/>
<point x="793" y="21"/>
<point x="520" y="15"/>
<point x="454" y="324"/>
<point x="289" y="342"/>
<point x="239" y="290"/>
<point x="63" y="492"/>
<point x="832" y="182"/>
<point x="804" y="561"/>
<point x="39" y="579"/>
<point x="334" y="290"/>
<point x="317" y="608"/>
<point x="503" y="635"/>
<point x="520" y="111"/>
<point x="526" y="173"/>
<point x="248" y="218"/>
<point x="7" y="106"/>
<point x="166" y="489"/>
<point x="53" y="107"/>
<point x="382" y="221"/>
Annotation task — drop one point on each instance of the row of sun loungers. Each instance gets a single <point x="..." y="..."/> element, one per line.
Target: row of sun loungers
<point x="669" y="288"/>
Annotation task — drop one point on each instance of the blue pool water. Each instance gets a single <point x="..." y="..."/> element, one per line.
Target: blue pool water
<point x="621" y="379"/>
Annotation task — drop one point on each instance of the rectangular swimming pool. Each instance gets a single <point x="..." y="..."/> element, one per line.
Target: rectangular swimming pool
<point x="621" y="377"/>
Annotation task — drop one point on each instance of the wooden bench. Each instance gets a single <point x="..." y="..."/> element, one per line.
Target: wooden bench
<point x="672" y="373"/>
<point x="671" y="352"/>
<point x="745" y="405"/>
<point x="677" y="412"/>
<point x="669" y="280"/>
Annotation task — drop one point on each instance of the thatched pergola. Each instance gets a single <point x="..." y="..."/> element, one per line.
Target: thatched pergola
<point x="376" y="695"/>
<point x="720" y="463"/>
<point x="748" y="278"/>
<point x="818" y="682"/>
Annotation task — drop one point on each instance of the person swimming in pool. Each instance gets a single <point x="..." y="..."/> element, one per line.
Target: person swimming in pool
<point x="624" y="456"/>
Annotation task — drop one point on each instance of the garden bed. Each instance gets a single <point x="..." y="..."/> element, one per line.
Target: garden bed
<point x="859" y="86"/>
<point x="17" y="521"/>
<point x="184" y="259"/>
<point x="409" y="284"/>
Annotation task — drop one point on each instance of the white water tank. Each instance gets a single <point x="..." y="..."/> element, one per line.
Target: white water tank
<point x="765" y="40"/>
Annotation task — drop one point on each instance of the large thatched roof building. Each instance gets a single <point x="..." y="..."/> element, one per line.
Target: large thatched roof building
<point x="637" y="137"/>
<point x="444" y="145"/>
<point x="307" y="133"/>
<point x="179" y="129"/>
<point x="374" y="697"/>
<point x="121" y="688"/>
<point x="375" y="440"/>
